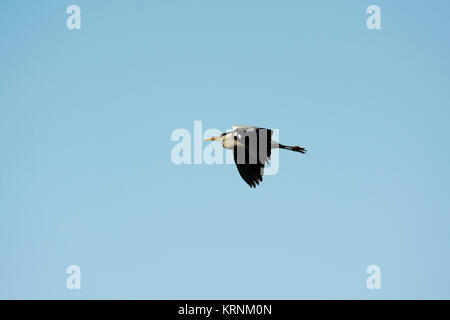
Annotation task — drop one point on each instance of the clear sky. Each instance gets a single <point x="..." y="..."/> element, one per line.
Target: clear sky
<point x="86" y="176"/>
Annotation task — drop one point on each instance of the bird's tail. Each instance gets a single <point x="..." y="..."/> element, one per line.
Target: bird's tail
<point x="296" y="148"/>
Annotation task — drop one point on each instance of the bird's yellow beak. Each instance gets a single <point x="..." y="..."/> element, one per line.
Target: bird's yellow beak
<point x="210" y="139"/>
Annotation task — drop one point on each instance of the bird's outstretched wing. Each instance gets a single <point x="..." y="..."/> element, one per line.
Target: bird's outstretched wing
<point x="245" y="128"/>
<point x="251" y="173"/>
<point x="251" y="152"/>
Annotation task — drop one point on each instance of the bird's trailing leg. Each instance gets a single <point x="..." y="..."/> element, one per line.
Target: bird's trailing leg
<point x="295" y="148"/>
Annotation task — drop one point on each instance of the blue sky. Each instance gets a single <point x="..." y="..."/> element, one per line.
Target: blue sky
<point x="86" y="176"/>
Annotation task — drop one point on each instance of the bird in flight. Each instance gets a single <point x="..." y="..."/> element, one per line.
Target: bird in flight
<point x="251" y="150"/>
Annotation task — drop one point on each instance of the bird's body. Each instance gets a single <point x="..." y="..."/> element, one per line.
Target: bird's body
<point x="252" y="148"/>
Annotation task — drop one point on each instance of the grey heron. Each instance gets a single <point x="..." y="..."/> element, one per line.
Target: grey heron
<point x="251" y="150"/>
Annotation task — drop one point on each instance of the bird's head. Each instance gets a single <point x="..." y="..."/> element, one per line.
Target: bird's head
<point x="218" y="138"/>
<point x="226" y="139"/>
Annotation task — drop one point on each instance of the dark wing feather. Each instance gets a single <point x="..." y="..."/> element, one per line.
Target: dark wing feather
<point x="265" y="134"/>
<point x="252" y="170"/>
<point x="251" y="173"/>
